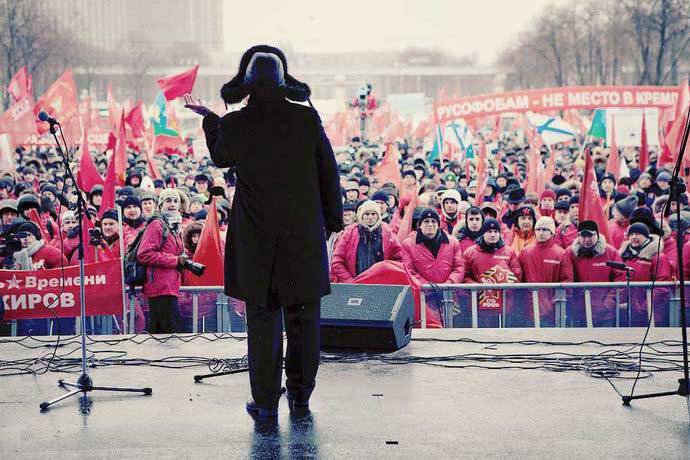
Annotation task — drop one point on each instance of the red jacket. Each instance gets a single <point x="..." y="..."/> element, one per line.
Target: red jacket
<point x="466" y="243"/>
<point x="617" y="233"/>
<point x="477" y="262"/>
<point x="446" y="267"/>
<point x="566" y="233"/>
<point x="344" y="261"/>
<point x="129" y="234"/>
<point x="645" y="263"/>
<point x="545" y="263"/>
<point x="162" y="275"/>
<point x="448" y="224"/>
<point x="594" y="269"/>
<point x="49" y="257"/>
<point x="669" y="250"/>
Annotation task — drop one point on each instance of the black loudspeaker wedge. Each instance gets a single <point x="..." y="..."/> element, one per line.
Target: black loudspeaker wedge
<point x="367" y="317"/>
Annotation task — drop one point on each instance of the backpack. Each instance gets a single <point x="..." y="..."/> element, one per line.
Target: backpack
<point x="135" y="271"/>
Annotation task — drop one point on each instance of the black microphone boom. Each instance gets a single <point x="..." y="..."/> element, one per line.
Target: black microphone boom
<point x="43" y="116"/>
<point x="618" y="265"/>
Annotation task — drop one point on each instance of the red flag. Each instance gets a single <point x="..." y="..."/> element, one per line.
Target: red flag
<point x="85" y="113"/>
<point x="60" y="101"/>
<point x="149" y="153"/>
<point x="406" y="224"/>
<point x="120" y="155"/>
<point x="178" y="85"/>
<point x="87" y="175"/>
<point x="389" y="169"/>
<point x="591" y="207"/>
<point x="482" y="176"/>
<point x="550" y="166"/>
<point x="114" y="110"/>
<point x="644" y="148"/>
<point x="613" y="164"/>
<point x="19" y="85"/>
<point x="108" y="200"/>
<point x="135" y="120"/>
<point x="34" y="217"/>
<point x="532" y="167"/>
<point x="209" y="252"/>
<point x="674" y="135"/>
<point x="19" y="121"/>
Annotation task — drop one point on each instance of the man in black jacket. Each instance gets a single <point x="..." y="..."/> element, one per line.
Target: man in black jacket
<point x="287" y="202"/>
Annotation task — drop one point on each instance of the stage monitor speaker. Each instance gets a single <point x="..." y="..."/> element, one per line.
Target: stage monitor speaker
<point x="367" y="317"/>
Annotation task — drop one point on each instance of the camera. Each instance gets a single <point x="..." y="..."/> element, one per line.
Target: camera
<point x="9" y="244"/>
<point x="195" y="267"/>
<point x="95" y="236"/>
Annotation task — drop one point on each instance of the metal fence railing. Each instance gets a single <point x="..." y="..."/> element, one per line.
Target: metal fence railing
<point x="208" y="309"/>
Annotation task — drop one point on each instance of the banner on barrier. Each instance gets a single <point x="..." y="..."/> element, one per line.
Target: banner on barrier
<point x="35" y="294"/>
<point x="553" y="99"/>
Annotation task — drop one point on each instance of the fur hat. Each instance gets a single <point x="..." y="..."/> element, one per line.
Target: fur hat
<point x="254" y="70"/>
<point x="30" y="227"/>
<point x="369" y="206"/>
<point x="169" y="192"/>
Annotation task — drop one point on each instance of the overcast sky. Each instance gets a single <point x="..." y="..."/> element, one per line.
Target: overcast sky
<point x="457" y="26"/>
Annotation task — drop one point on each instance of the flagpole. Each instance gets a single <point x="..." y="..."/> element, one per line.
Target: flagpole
<point x="122" y="268"/>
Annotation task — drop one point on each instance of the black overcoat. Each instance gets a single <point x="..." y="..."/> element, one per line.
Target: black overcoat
<point x="287" y="195"/>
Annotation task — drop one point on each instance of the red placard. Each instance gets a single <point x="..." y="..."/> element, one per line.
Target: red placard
<point x="550" y="99"/>
<point x="34" y="294"/>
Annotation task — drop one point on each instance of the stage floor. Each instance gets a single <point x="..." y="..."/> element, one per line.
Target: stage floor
<point x="422" y="411"/>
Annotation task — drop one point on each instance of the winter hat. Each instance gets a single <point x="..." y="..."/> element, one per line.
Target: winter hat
<point x="8" y="204"/>
<point x="409" y="172"/>
<point x="28" y="201"/>
<point x="109" y="214"/>
<point x="198" y="198"/>
<point x="147" y="184"/>
<point x="516" y="196"/>
<point x="563" y="192"/>
<point x="69" y="215"/>
<point x="350" y="206"/>
<point x="546" y="222"/>
<point x="490" y="224"/>
<point x="526" y="211"/>
<point x="48" y="187"/>
<point x="31" y="228"/>
<point x="451" y="194"/>
<point x="548" y="193"/>
<point x="262" y="67"/>
<point x="664" y="176"/>
<point x="168" y="193"/>
<point x="587" y="227"/>
<point x="380" y="195"/>
<point x="429" y="213"/>
<point x="574" y="200"/>
<point x="645" y="216"/>
<point x="201" y="214"/>
<point x="131" y="200"/>
<point x="562" y="205"/>
<point x="148" y="196"/>
<point x="366" y="206"/>
<point x="626" y="206"/>
<point x="639" y="228"/>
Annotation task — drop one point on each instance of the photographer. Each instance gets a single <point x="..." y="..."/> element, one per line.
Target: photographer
<point x="162" y="252"/>
<point x="8" y="212"/>
<point x="35" y="254"/>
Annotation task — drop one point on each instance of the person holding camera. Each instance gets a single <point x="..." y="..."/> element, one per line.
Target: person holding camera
<point x="162" y="252"/>
<point x="35" y="254"/>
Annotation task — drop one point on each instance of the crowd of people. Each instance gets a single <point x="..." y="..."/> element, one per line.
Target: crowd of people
<point x="506" y="236"/>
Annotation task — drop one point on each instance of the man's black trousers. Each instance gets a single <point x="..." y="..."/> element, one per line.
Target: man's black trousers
<point x="265" y="351"/>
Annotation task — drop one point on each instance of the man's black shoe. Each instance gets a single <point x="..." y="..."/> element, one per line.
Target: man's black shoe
<point x="262" y="412"/>
<point x="296" y="403"/>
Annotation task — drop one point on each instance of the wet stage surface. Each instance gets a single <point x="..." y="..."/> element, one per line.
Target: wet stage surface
<point x="370" y="409"/>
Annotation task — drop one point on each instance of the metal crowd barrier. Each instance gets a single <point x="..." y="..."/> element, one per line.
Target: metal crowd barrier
<point x="458" y="302"/>
<point x="208" y="309"/>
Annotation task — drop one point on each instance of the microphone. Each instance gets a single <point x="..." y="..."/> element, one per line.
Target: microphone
<point x="618" y="266"/>
<point x="43" y="116"/>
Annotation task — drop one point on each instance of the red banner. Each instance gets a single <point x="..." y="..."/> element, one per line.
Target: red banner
<point x="548" y="99"/>
<point x="34" y="294"/>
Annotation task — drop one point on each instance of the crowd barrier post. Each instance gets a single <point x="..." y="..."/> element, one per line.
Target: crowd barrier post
<point x="195" y="312"/>
<point x="535" y="309"/>
<point x="674" y="308"/>
<point x="475" y="305"/>
<point x="588" y="308"/>
<point x="13" y="328"/>
<point x="422" y="297"/>
<point x="222" y="314"/>
<point x="132" y="300"/>
<point x="618" y="310"/>
<point x="650" y="309"/>
<point x="561" y="308"/>
<point x="447" y="307"/>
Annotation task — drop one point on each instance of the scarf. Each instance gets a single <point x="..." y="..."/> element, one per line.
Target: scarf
<point x="173" y="219"/>
<point x="22" y="259"/>
<point x="434" y="243"/>
<point x="465" y="232"/>
<point x="633" y="253"/>
<point x="134" y="223"/>
<point x="587" y="252"/>
<point x="490" y="247"/>
<point x="369" y="249"/>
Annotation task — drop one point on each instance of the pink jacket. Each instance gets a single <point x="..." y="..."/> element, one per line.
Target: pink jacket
<point x="162" y="275"/>
<point x="477" y="262"/>
<point x="447" y="267"/>
<point x="344" y="261"/>
<point x="617" y="233"/>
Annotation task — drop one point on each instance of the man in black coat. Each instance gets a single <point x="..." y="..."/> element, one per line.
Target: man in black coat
<point x="287" y="199"/>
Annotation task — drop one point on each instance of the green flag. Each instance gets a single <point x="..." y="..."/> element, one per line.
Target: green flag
<point x="598" y="127"/>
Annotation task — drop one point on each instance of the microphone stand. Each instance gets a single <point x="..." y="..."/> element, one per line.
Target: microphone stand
<point x="84" y="384"/>
<point x="677" y="189"/>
